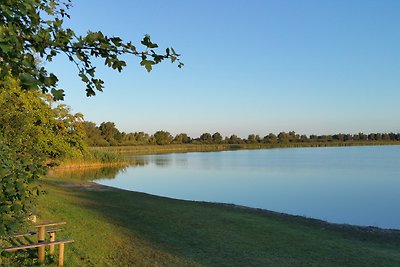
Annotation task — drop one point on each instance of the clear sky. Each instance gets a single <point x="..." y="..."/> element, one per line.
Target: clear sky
<point x="254" y="66"/>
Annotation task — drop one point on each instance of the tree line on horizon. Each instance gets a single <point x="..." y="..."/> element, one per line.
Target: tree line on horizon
<point x="107" y="134"/>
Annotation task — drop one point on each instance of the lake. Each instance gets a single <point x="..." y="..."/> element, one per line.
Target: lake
<point x="352" y="185"/>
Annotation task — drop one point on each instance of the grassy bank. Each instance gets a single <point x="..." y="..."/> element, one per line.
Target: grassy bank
<point x="181" y="148"/>
<point x="115" y="155"/>
<point x="119" y="228"/>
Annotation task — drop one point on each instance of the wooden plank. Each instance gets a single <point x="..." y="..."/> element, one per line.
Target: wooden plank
<point x="16" y="242"/>
<point x="28" y="240"/>
<point x="52" y="239"/>
<point x="53" y="230"/>
<point x="46" y="224"/>
<point x="20" y="241"/>
<point x="36" y="245"/>
<point x="61" y="255"/>
<point x="20" y="234"/>
<point x="41" y="249"/>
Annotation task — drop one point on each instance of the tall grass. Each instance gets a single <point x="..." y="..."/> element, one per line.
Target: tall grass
<point x="95" y="157"/>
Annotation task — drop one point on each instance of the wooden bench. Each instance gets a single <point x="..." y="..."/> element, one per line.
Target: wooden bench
<point x="21" y="241"/>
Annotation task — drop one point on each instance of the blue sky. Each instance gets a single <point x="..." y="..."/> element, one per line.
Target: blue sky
<point x="255" y="66"/>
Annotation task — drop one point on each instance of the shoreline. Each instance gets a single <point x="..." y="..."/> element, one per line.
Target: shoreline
<point x="361" y="228"/>
<point x="186" y="148"/>
<point x="144" y="228"/>
<point x="89" y="166"/>
<point x="147" y="229"/>
<point x="92" y="185"/>
<point x="171" y="149"/>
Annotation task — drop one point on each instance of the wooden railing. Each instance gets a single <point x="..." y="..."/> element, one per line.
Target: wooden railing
<point x="21" y="241"/>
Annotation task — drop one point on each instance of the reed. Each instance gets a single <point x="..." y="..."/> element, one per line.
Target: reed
<point x="95" y="158"/>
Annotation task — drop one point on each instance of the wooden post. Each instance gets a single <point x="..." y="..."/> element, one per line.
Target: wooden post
<point x="41" y="238"/>
<point x="52" y="239"/>
<point x="61" y="254"/>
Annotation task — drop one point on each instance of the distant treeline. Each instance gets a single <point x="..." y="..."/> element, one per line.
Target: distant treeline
<point x="108" y="135"/>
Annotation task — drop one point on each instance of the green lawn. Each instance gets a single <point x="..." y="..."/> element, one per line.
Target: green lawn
<point x="119" y="228"/>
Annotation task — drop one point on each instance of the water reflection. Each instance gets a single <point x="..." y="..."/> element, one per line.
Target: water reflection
<point x="162" y="162"/>
<point x="86" y="174"/>
<point x="97" y="172"/>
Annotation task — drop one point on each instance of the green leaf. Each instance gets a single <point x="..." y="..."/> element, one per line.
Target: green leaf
<point x="147" y="64"/>
<point x="26" y="77"/>
<point x="146" y="42"/>
<point x="119" y="64"/>
<point x="28" y="81"/>
<point x="51" y="80"/>
<point x="52" y="4"/>
<point x="91" y="71"/>
<point x="90" y="91"/>
<point x="84" y="77"/>
<point x="158" y="58"/>
<point x="116" y="41"/>
<point x="5" y="47"/>
<point x="79" y="55"/>
<point x="98" y="84"/>
<point x="173" y="58"/>
<point x="58" y="94"/>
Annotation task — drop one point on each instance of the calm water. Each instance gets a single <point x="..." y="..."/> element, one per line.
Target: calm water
<point x="355" y="185"/>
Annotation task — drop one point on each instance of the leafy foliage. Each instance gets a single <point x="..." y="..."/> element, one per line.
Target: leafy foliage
<point x="18" y="171"/>
<point x="33" y="135"/>
<point x="35" y="27"/>
<point x="108" y="135"/>
<point x="163" y="138"/>
<point x="93" y="135"/>
<point x="30" y="124"/>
